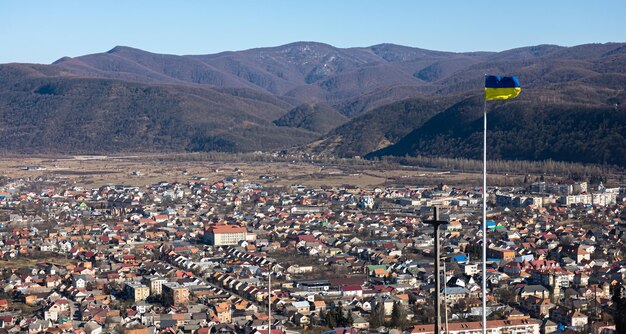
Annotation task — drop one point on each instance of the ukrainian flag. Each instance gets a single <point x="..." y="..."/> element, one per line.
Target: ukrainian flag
<point x="501" y="88"/>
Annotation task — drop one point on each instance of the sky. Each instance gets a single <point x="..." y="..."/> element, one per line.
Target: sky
<point x="42" y="31"/>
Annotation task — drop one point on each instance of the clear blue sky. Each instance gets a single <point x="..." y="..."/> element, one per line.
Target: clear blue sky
<point x="45" y="30"/>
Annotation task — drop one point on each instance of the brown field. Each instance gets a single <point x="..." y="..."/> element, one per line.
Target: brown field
<point x="146" y="169"/>
<point x="22" y="262"/>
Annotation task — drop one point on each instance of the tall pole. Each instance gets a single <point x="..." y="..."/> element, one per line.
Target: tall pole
<point x="484" y="265"/>
<point x="437" y="271"/>
<point x="436" y="223"/>
<point x="445" y="299"/>
<point x="269" y="298"/>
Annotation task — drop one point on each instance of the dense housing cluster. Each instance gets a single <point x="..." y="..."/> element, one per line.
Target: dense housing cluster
<point x="196" y="256"/>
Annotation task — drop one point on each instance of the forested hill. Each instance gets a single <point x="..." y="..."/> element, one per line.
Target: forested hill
<point x="378" y="128"/>
<point x="319" y="118"/>
<point x="378" y="100"/>
<point x="522" y="129"/>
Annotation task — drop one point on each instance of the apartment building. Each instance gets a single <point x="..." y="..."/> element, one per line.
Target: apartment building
<point x="136" y="291"/>
<point x="223" y="235"/>
<point x="174" y="294"/>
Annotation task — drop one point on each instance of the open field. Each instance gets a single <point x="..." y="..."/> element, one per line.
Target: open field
<point x="22" y="262"/>
<point x="146" y="169"/>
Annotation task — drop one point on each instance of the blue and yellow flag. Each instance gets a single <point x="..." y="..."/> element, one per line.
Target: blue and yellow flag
<point x="501" y="88"/>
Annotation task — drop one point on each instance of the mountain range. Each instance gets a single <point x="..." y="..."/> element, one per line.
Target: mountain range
<point x="370" y="101"/>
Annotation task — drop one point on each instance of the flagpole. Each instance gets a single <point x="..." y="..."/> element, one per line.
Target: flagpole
<point x="496" y="88"/>
<point x="484" y="264"/>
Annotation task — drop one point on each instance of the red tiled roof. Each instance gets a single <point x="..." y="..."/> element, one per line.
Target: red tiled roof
<point x="219" y="229"/>
<point x="475" y="325"/>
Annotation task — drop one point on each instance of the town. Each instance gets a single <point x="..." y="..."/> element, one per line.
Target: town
<point x="245" y="255"/>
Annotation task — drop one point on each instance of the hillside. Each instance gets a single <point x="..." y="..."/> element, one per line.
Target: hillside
<point x="303" y="71"/>
<point x="99" y="115"/>
<point x="416" y="101"/>
<point x="524" y="129"/>
<point x="318" y="118"/>
<point x="378" y="128"/>
<point x="560" y="84"/>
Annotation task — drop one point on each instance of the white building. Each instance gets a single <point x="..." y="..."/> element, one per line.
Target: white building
<point x="221" y="235"/>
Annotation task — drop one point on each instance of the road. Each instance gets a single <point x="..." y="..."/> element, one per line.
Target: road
<point x="261" y="307"/>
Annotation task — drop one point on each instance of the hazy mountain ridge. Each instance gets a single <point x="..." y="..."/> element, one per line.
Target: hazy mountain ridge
<point x="569" y="87"/>
<point x="131" y="100"/>
<point x="305" y="71"/>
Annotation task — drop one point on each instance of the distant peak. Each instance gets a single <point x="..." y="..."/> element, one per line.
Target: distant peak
<point x="309" y="43"/>
<point x="121" y="48"/>
<point x="63" y="59"/>
<point x="387" y="45"/>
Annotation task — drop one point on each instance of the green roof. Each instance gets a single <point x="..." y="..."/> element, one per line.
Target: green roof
<point x="373" y="267"/>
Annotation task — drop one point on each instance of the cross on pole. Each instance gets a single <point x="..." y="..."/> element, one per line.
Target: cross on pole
<point x="436" y="223"/>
